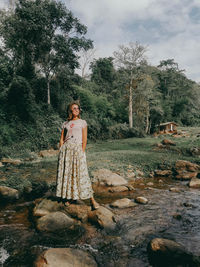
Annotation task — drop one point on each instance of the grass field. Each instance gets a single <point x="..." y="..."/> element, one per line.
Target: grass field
<point x="141" y="153"/>
<point x="121" y="156"/>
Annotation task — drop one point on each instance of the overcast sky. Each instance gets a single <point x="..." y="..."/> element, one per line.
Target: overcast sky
<point x="171" y="29"/>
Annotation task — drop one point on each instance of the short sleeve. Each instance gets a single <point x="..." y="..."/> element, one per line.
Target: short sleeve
<point x="84" y="124"/>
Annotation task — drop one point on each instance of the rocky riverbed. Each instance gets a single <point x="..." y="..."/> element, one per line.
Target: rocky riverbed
<point x="37" y="230"/>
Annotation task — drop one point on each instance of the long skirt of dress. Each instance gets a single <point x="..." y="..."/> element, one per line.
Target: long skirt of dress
<point x="73" y="181"/>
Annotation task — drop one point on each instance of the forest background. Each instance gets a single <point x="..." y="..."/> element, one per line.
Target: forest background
<point x="42" y="44"/>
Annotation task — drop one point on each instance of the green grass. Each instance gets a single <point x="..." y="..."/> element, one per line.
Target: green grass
<point x="140" y="153"/>
<point x="116" y="155"/>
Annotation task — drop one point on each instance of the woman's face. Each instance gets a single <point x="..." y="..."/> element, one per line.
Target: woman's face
<point x="75" y="110"/>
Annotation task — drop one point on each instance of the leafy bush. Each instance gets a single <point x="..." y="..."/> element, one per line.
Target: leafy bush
<point x="122" y="130"/>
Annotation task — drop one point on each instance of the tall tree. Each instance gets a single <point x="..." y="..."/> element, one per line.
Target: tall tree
<point x="103" y="73"/>
<point x="43" y="33"/>
<point x="129" y="58"/>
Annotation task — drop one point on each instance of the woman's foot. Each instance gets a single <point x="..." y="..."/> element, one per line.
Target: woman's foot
<point x="95" y="205"/>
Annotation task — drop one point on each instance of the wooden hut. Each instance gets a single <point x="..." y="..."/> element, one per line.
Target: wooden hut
<point x="167" y="127"/>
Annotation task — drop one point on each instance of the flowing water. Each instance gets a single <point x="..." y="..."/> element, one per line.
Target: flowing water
<point x="167" y="215"/>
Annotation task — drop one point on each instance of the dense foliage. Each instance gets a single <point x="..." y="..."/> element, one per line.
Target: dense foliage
<point x="40" y="41"/>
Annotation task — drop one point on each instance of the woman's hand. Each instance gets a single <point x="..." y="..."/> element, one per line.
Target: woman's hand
<point x="84" y="138"/>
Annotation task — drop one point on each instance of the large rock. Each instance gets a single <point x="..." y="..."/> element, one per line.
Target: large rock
<point x="48" y="153"/>
<point x="194" y="183"/>
<point x="45" y="206"/>
<point x="109" y="178"/>
<point x="54" y="221"/>
<point x="103" y="218"/>
<point x="11" y="161"/>
<point x="79" y="212"/>
<point x="187" y="165"/>
<point x="123" y="203"/>
<point x="163" y="173"/>
<point x="65" y="257"/>
<point x="184" y="175"/>
<point x="8" y="193"/>
<point x="164" y="252"/>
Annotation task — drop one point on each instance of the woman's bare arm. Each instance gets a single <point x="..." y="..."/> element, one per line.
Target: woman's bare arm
<point x="84" y="138"/>
<point x="61" y="138"/>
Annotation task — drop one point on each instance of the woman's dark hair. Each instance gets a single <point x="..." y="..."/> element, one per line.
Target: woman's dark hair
<point x="69" y="109"/>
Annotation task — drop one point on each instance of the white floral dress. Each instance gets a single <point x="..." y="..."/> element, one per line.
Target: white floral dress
<point x="73" y="181"/>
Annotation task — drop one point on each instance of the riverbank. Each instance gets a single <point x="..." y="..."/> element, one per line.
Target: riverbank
<point x="170" y="208"/>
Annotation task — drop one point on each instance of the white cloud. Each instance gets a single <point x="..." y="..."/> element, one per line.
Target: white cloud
<point x="169" y="28"/>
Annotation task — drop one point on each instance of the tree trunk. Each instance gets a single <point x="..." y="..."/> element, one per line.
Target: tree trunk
<point x="48" y="92"/>
<point x="130" y="107"/>
<point x="147" y="121"/>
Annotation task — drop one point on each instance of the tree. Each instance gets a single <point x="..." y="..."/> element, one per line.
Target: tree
<point x="45" y="34"/>
<point x="103" y="73"/>
<point x="129" y="59"/>
<point x="85" y="58"/>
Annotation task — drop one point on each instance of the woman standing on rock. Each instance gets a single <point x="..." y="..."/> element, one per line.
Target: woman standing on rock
<point x="73" y="181"/>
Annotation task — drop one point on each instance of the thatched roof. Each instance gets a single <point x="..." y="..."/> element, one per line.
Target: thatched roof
<point x="167" y="123"/>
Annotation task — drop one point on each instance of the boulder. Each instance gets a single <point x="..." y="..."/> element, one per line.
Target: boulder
<point x="65" y="257"/>
<point x="45" y="206"/>
<point x="168" y="142"/>
<point x="11" y="161"/>
<point x="194" y="183"/>
<point x="164" y="252"/>
<point x="79" y="212"/>
<point x="120" y="188"/>
<point x="141" y="200"/>
<point x="54" y="221"/>
<point x="109" y="178"/>
<point x="123" y="203"/>
<point x="186" y="175"/>
<point x="187" y="165"/>
<point x="103" y="217"/>
<point x="8" y="193"/>
<point x="163" y="173"/>
<point x="48" y="153"/>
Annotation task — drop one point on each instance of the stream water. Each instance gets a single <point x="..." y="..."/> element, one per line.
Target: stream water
<point x="167" y="215"/>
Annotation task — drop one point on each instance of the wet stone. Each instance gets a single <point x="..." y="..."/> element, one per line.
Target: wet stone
<point x="175" y="189"/>
<point x="54" y="221"/>
<point x="123" y="203"/>
<point x="103" y="217"/>
<point x="194" y="183"/>
<point x="165" y="252"/>
<point x="8" y="193"/>
<point x="121" y="188"/>
<point x="141" y="200"/>
<point x="109" y="178"/>
<point x="65" y="257"/>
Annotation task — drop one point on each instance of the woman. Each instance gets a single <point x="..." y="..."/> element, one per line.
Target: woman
<point x="73" y="181"/>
